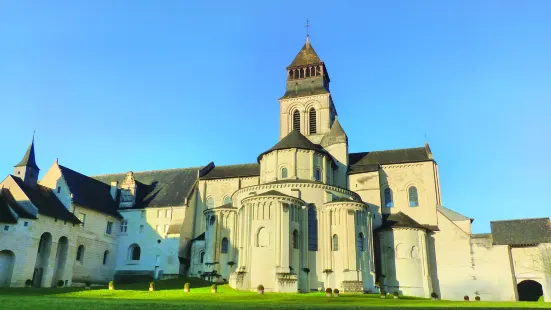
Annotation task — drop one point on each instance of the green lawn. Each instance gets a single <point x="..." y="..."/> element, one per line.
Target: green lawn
<point x="170" y="295"/>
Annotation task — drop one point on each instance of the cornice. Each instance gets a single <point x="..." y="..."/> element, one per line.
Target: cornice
<point x="272" y="198"/>
<point x="305" y="98"/>
<point x="298" y="184"/>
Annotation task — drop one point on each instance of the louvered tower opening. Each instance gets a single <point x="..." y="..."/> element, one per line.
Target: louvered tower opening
<point x="296" y="120"/>
<point x="312" y="115"/>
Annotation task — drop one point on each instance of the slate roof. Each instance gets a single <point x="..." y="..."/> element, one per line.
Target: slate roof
<point x="307" y="55"/>
<point x="90" y="193"/>
<point x="159" y="188"/>
<point x="29" y="158"/>
<point x="46" y="202"/>
<point x="452" y="215"/>
<point x="335" y="135"/>
<point x="402" y="220"/>
<point x="366" y="161"/>
<point x="10" y="210"/>
<point x="232" y="171"/>
<point x="521" y="231"/>
<point x="297" y="140"/>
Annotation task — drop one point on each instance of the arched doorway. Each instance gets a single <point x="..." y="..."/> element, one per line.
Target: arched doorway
<point x="42" y="258"/>
<point x="60" y="260"/>
<point x="7" y="260"/>
<point x="529" y="290"/>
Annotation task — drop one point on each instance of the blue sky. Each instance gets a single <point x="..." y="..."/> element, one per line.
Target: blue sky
<point x="112" y="86"/>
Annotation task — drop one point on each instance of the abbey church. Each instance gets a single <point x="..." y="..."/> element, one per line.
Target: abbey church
<point x="307" y="215"/>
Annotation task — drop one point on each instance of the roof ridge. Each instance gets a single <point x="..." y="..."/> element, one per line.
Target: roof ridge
<point x="255" y="164"/>
<point x="392" y="150"/>
<point x="528" y="218"/>
<point x="145" y="171"/>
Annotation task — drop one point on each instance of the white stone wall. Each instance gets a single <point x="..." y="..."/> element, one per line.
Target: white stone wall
<point x="323" y="105"/>
<point x="300" y="164"/>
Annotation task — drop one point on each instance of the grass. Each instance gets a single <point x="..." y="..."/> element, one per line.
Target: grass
<point x="169" y="294"/>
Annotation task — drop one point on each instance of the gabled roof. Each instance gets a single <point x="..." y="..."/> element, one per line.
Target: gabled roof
<point x="335" y="135"/>
<point x="10" y="210"/>
<point x="232" y="171"/>
<point x="90" y="193"/>
<point x="452" y="215"/>
<point x="360" y="162"/>
<point x="46" y="202"/>
<point x="296" y="140"/>
<point x="307" y="55"/>
<point x="29" y="158"/>
<point x="521" y="231"/>
<point x="159" y="188"/>
<point x="401" y="220"/>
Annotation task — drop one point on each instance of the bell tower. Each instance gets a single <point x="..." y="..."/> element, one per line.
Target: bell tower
<point x="307" y="105"/>
<point x="26" y="169"/>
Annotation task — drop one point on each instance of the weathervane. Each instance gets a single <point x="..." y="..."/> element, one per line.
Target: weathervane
<point x="307" y="26"/>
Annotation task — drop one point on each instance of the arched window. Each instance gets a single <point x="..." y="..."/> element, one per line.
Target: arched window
<point x="284" y="173"/>
<point x="227" y="200"/>
<point x="80" y="253"/>
<point x="388" y="198"/>
<point x="414" y="252"/>
<point x="317" y="174"/>
<point x="296" y="120"/>
<point x="262" y="238"/>
<point x="335" y="243"/>
<point x="224" y="245"/>
<point x="295" y="239"/>
<point x="202" y="257"/>
<point x="134" y="252"/>
<point x="210" y="203"/>
<point x="105" y="257"/>
<point x="312" y="120"/>
<point x="413" y="197"/>
<point x="212" y="220"/>
<point x="361" y="242"/>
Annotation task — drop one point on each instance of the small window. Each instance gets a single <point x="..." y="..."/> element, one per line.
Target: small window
<point x="26" y="224"/>
<point x="212" y="220"/>
<point x="296" y="120"/>
<point x="361" y="242"/>
<point x="80" y="253"/>
<point x="335" y="243"/>
<point x="109" y="227"/>
<point x="141" y="229"/>
<point x="135" y="252"/>
<point x="166" y="228"/>
<point x="210" y="203"/>
<point x="317" y="174"/>
<point x="168" y="214"/>
<point x="6" y="228"/>
<point x="295" y="239"/>
<point x="143" y="214"/>
<point x="159" y="213"/>
<point x="284" y="173"/>
<point x="58" y="189"/>
<point x="227" y="200"/>
<point x="224" y="245"/>
<point x="157" y="228"/>
<point x="202" y="257"/>
<point x="388" y="198"/>
<point x="312" y="120"/>
<point x="105" y="256"/>
<point x="124" y="226"/>
<point x="413" y="197"/>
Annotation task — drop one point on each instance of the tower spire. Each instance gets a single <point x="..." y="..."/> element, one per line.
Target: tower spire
<point x="307" y="28"/>
<point x="26" y="169"/>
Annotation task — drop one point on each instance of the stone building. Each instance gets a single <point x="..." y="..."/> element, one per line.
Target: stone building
<point x="308" y="214"/>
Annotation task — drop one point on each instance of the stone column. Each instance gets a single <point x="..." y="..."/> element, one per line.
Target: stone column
<point x="312" y="168"/>
<point x="324" y="170"/>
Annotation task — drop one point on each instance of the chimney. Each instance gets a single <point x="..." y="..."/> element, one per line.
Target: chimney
<point x="114" y="187"/>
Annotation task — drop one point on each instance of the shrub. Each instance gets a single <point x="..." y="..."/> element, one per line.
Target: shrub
<point x="28" y="282"/>
<point x="477" y="298"/>
<point x="466" y="298"/>
<point x="260" y="287"/>
<point x="336" y="291"/>
<point x="328" y="290"/>
<point x="111" y="285"/>
<point x="382" y="292"/>
<point x="60" y="283"/>
<point x="214" y="286"/>
<point x="433" y="295"/>
<point x="186" y="286"/>
<point x="151" y="284"/>
<point x="396" y="294"/>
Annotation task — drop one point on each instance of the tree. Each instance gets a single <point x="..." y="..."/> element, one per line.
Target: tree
<point x="542" y="258"/>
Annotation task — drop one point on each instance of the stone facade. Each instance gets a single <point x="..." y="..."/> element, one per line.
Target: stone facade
<point x="307" y="215"/>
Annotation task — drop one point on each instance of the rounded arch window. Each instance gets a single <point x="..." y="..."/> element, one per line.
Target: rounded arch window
<point x="80" y="253"/>
<point x="317" y="174"/>
<point x="284" y="173"/>
<point x="312" y="121"/>
<point x="210" y="203"/>
<point x="388" y="198"/>
<point x="105" y="257"/>
<point x="225" y="244"/>
<point x="227" y="200"/>
<point x="413" y="197"/>
<point x="295" y="239"/>
<point x="134" y="252"/>
<point x="212" y="220"/>
<point x="296" y="120"/>
<point x="361" y="242"/>
<point x="335" y="243"/>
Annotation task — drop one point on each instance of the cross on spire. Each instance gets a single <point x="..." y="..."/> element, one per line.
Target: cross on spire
<point x="307" y="26"/>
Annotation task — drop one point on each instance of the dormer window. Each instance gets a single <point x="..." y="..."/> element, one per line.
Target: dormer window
<point x="126" y="195"/>
<point x="58" y="189"/>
